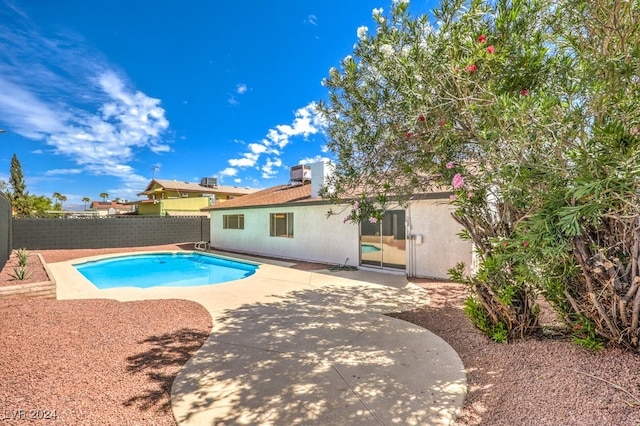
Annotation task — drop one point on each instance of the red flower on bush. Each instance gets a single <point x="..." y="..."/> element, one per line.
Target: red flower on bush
<point x="524" y="92"/>
<point x="409" y="134"/>
<point x="482" y="38"/>
<point x="525" y="243"/>
<point x="471" y="68"/>
<point x="491" y="49"/>
<point x="421" y="118"/>
<point x="442" y="123"/>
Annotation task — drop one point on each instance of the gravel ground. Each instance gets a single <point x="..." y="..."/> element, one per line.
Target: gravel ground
<point x="108" y="362"/>
<point x="533" y="382"/>
<point x="92" y="362"/>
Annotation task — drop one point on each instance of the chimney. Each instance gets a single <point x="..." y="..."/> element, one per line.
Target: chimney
<point x="320" y="173"/>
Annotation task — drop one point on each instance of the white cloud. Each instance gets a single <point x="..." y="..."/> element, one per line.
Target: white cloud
<point x="55" y="172"/>
<point x="243" y="162"/>
<point x="312" y="19"/>
<point x="257" y="148"/>
<point x="60" y="91"/>
<point x="316" y="159"/>
<point x="233" y="101"/>
<point x="241" y="89"/>
<point x="25" y="113"/>
<point x="267" y="168"/>
<point x="229" y="171"/>
<point x="306" y="122"/>
<point x="237" y="180"/>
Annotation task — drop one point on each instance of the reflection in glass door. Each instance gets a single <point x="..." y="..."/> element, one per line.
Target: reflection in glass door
<point x="384" y="244"/>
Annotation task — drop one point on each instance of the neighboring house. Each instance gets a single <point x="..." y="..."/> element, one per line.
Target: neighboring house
<point x="110" y="208"/>
<point x="170" y="197"/>
<point x="293" y="221"/>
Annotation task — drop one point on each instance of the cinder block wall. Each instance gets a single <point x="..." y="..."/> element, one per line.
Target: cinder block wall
<point x="54" y="233"/>
<point x="5" y="230"/>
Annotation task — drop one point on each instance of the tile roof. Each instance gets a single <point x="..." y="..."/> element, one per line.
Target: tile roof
<point x="275" y="195"/>
<point x="301" y="193"/>
<point x="196" y="187"/>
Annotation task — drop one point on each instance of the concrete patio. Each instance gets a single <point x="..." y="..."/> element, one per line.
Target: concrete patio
<point x="305" y="347"/>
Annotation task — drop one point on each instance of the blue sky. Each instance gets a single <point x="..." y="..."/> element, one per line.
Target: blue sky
<point x="99" y="96"/>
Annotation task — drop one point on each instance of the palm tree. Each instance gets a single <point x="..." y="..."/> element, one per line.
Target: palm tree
<point x="59" y="200"/>
<point x="56" y="196"/>
<point x="104" y="196"/>
<point x="85" y="200"/>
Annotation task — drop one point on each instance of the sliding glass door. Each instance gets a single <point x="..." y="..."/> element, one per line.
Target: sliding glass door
<point x="384" y="244"/>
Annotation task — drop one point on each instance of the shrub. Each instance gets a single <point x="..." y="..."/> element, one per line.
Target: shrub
<point x="20" y="273"/>
<point x="23" y="256"/>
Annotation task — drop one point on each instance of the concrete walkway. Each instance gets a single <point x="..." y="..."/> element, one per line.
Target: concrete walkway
<point x="297" y="347"/>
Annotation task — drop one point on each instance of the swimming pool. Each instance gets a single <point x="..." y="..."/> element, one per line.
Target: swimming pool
<point x="368" y="248"/>
<point x="163" y="270"/>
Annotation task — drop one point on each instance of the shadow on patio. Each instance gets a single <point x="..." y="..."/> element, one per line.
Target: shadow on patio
<point x="321" y="356"/>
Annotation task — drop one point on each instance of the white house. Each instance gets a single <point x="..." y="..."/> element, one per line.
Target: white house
<point x="292" y="221"/>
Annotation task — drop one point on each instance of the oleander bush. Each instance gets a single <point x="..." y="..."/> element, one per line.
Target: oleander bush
<point x="528" y="111"/>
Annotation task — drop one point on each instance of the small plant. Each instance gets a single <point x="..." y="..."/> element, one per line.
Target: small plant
<point x="20" y="273"/>
<point x="584" y="334"/>
<point x="479" y="318"/>
<point x="23" y="256"/>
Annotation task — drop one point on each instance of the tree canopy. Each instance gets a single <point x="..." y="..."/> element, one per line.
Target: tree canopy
<point x="528" y="112"/>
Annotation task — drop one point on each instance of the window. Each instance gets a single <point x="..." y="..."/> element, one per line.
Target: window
<point x="281" y="225"/>
<point x="233" y="221"/>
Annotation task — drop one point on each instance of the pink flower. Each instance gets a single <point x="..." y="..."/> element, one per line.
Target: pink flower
<point x="449" y="165"/>
<point x="421" y="118"/>
<point x="373" y="220"/>
<point x="491" y="49"/>
<point x="482" y="38"/>
<point x="453" y="197"/>
<point x="356" y="205"/>
<point x="458" y="181"/>
<point x="471" y="68"/>
<point x="470" y="194"/>
<point x="409" y="134"/>
<point x="635" y="131"/>
<point x="524" y="92"/>
<point x="442" y="123"/>
<point x="525" y="243"/>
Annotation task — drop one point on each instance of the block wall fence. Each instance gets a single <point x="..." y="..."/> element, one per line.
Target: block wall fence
<point x="5" y="230"/>
<point x="88" y="233"/>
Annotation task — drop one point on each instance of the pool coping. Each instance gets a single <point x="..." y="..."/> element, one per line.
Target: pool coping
<point x="362" y="365"/>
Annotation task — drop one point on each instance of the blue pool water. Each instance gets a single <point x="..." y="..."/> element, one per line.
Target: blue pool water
<point x="368" y="248"/>
<point x="164" y="270"/>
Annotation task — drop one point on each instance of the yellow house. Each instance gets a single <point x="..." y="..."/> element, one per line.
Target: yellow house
<point x="174" y="198"/>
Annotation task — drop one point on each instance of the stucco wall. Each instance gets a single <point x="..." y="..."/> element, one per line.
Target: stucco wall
<point x="441" y="247"/>
<point x="329" y="240"/>
<point x="174" y="206"/>
<point x="316" y="237"/>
